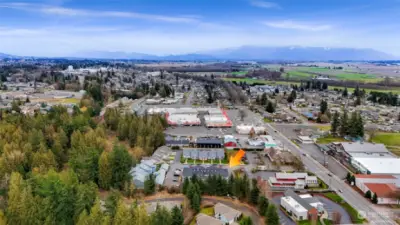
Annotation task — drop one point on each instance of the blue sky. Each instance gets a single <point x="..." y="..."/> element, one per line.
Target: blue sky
<point x="67" y="27"/>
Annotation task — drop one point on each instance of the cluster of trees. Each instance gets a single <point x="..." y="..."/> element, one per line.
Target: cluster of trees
<point x="324" y="115"/>
<point x="242" y="187"/>
<point x="164" y="90"/>
<point x="384" y="98"/>
<point x="313" y="85"/>
<point x="265" y="102"/>
<point x="373" y="197"/>
<point x="265" y="74"/>
<point x="145" y="133"/>
<point x="117" y="212"/>
<point x="211" y="94"/>
<point x="342" y="125"/>
<point x="292" y="96"/>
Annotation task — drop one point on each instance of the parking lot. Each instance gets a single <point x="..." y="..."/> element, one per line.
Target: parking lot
<point x="312" y="150"/>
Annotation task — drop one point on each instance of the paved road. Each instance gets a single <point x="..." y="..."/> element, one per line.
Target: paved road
<point x="363" y="206"/>
<point x="242" y="208"/>
<point x="188" y="102"/>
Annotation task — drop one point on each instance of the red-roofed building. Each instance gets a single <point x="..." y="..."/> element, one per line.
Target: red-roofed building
<point x="362" y="179"/>
<point x="385" y="186"/>
<point x="386" y="192"/>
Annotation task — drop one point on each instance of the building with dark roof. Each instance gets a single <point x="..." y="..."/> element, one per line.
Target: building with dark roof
<point x="209" y="143"/>
<point x="204" y="172"/>
<point x="177" y="141"/>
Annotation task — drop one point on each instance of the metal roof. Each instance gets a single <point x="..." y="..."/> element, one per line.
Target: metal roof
<point x="203" y="172"/>
<point x="364" y="147"/>
<point x="298" y="199"/>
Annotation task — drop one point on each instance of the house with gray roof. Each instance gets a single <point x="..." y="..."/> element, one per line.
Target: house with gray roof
<point x="226" y="214"/>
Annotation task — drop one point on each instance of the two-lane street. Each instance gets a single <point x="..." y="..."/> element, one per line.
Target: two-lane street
<point x="358" y="202"/>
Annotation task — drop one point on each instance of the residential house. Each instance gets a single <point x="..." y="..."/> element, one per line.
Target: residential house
<point x="203" y="219"/>
<point x="226" y="214"/>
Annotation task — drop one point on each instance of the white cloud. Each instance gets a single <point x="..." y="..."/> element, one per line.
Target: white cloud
<point x="289" y="24"/>
<point x="264" y="4"/>
<point x="63" y="11"/>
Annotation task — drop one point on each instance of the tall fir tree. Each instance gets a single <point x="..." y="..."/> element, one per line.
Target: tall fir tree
<point x="335" y="123"/>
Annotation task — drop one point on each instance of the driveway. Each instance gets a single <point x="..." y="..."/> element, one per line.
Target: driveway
<point x="329" y="205"/>
<point x="332" y="207"/>
<point x="283" y="218"/>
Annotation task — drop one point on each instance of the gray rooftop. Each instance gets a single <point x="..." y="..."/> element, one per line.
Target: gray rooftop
<point x="298" y="199"/>
<point x="364" y="147"/>
<point x="203" y="172"/>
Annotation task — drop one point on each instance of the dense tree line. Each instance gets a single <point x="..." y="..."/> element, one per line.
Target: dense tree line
<point x="145" y="133"/>
<point x="384" y="98"/>
<point x="51" y="166"/>
<point x="344" y="126"/>
<point x="241" y="187"/>
<point x="265" y="102"/>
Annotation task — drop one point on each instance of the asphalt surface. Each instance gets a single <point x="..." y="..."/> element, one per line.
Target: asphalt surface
<point x="373" y="214"/>
<point x="242" y="208"/>
<point x="363" y="206"/>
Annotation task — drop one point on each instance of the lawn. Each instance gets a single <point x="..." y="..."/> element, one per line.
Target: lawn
<point x="390" y="139"/>
<point x="352" y="212"/>
<point x="266" y="120"/>
<point x="298" y="74"/>
<point x="369" y="78"/>
<point x="324" y="127"/>
<point x="329" y="139"/>
<point x="239" y="73"/>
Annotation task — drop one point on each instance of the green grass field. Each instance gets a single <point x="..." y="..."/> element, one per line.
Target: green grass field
<point x="390" y="140"/>
<point x="239" y="73"/>
<point x="329" y="139"/>
<point x="297" y="74"/>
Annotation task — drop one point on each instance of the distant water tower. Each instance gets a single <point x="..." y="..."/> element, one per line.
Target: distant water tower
<point x="70" y="68"/>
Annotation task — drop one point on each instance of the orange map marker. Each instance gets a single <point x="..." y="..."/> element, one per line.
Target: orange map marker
<point x="235" y="160"/>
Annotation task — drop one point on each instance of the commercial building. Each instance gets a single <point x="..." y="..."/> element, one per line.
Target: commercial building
<point x="204" y="172"/>
<point x="177" y="141"/>
<point x="283" y="181"/>
<point x="245" y="129"/>
<point x="351" y="150"/>
<point x="208" y="142"/>
<point x="384" y="186"/>
<point x="305" y="140"/>
<point x="226" y="214"/>
<point x="301" y="208"/>
<point x="376" y="165"/>
<point x="230" y="141"/>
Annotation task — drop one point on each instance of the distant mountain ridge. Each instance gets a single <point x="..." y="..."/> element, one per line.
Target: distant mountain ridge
<point x="290" y="53"/>
<point x="259" y="53"/>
